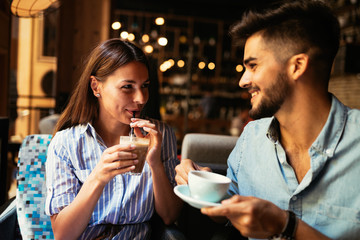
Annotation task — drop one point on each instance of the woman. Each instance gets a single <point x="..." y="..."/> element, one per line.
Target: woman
<point x="88" y="196"/>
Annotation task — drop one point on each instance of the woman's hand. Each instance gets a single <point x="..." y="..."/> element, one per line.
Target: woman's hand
<point x="183" y="169"/>
<point x="155" y="136"/>
<point x="115" y="160"/>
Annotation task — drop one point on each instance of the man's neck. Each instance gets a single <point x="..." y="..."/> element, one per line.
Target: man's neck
<point x="299" y="128"/>
<point x="302" y="121"/>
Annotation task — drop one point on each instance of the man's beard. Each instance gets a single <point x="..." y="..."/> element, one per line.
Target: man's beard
<point x="274" y="96"/>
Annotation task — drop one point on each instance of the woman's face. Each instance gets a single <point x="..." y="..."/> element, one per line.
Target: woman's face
<point x="123" y="92"/>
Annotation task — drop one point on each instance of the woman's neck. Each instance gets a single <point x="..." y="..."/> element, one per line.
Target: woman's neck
<point x="110" y="133"/>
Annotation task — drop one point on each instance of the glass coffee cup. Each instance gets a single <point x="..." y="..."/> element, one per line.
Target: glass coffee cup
<point x="141" y="148"/>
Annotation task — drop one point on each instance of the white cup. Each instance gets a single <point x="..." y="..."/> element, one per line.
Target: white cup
<point x="208" y="186"/>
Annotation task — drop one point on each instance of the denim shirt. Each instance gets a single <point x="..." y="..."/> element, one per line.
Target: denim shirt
<point x="328" y="197"/>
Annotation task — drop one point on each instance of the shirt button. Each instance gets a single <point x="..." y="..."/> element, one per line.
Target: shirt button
<point x="328" y="151"/>
<point x="294" y="198"/>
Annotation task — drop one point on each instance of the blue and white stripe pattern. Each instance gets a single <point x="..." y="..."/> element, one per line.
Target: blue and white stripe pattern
<point x="126" y="200"/>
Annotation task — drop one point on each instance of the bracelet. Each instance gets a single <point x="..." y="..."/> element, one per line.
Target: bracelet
<point x="290" y="228"/>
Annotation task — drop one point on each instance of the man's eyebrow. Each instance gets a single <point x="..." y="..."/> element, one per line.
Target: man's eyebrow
<point x="246" y="61"/>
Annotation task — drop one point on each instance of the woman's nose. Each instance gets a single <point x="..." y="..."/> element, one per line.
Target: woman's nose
<point x="245" y="81"/>
<point x="141" y="97"/>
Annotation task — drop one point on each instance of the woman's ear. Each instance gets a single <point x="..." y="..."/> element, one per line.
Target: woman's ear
<point x="94" y="84"/>
<point x="298" y="65"/>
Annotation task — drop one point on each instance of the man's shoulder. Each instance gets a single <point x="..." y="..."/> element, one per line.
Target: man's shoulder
<point x="354" y="115"/>
<point x="259" y="124"/>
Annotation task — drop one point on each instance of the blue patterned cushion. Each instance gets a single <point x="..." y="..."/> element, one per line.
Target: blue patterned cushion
<point x="30" y="195"/>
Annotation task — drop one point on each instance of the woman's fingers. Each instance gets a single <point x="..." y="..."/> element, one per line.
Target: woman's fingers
<point x="122" y="164"/>
<point x="182" y="171"/>
<point x="145" y="124"/>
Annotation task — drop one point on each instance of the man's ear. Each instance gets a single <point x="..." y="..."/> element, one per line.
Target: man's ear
<point x="94" y="84"/>
<point x="298" y="65"/>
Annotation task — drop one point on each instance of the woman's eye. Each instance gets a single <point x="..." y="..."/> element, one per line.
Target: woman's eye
<point x="129" y="86"/>
<point x="145" y="85"/>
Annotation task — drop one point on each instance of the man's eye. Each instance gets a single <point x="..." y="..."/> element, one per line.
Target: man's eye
<point x="253" y="65"/>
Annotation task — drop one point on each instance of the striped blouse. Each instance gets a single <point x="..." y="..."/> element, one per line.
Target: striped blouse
<point x="126" y="201"/>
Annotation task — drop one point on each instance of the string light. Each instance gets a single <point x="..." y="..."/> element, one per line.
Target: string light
<point x="148" y="49"/>
<point x="163" y="68"/>
<point x="159" y="21"/>
<point x="211" y="65"/>
<point x="162" y="41"/>
<point x="145" y="38"/>
<point x="201" y="65"/>
<point x="239" y="68"/>
<point x="171" y="61"/>
<point x="182" y="39"/>
<point x="180" y="63"/>
<point x="116" y="25"/>
<point x="131" y="37"/>
<point x="166" y="65"/>
<point x="124" y="34"/>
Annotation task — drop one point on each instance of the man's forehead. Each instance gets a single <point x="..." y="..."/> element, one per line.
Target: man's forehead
<point x="255" y="47"/>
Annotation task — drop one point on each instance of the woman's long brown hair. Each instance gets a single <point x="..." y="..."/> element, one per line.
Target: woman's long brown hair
<point x="107" y="57"/>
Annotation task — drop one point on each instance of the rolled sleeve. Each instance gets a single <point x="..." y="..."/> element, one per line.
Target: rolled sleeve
<point x="61" y="182"/>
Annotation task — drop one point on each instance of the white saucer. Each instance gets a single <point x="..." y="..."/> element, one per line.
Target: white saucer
<point x="182" y="191"/>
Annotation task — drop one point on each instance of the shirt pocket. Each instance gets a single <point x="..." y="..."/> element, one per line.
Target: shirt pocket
<point x="327" y="214"/>
<point x="82" y="175"/>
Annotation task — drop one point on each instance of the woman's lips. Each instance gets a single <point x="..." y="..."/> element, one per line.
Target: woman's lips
<point x="137" y="112"/>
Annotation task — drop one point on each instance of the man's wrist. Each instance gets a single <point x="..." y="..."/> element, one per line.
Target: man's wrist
<point x="289" y="229"/>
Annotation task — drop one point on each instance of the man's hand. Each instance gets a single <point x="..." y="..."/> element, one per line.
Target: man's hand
<point x="253" y="217"/>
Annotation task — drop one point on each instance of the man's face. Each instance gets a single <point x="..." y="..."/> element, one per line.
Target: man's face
<point x="264" y="77"/>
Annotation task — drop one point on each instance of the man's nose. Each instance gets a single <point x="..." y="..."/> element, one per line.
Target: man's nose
<point x="245" y="81"/>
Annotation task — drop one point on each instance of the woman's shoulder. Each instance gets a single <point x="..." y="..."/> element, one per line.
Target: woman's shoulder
<point x="162" y="126"/>
<point x="70" y="134"/>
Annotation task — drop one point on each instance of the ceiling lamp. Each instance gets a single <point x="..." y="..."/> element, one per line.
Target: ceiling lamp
<point x="31" y="8"/>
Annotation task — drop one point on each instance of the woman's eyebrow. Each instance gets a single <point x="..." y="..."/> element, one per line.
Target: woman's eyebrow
<point x="133" y="81"/>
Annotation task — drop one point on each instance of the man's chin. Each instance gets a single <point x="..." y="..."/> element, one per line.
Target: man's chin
<point x="257" y="113"/>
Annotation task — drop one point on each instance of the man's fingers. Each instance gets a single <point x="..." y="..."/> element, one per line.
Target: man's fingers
<point x="216" y="211"/>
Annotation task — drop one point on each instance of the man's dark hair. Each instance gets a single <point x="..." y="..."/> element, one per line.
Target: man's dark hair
<point x="293" y="27"/>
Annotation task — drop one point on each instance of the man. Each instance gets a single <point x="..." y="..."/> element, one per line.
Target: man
<point x="297" y="166"/>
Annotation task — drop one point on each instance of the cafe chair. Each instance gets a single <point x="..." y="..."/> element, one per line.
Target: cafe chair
<point x="208" y="150"/>
<point x="8" y="221"/>
<point x="23" y="217"/>
<point x="31" y="190"/>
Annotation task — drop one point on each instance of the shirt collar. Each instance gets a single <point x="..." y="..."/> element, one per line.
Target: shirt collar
<point x="331" y="133"/>
<point x="273" y="131"/>
<point x="87" y="128"/>
<point x="329" y="136"/>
